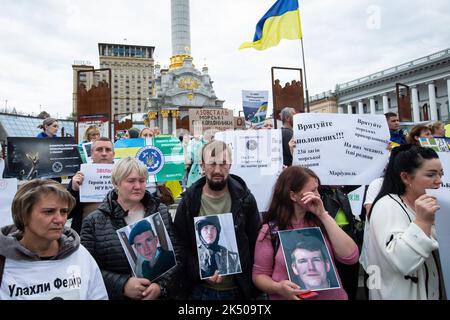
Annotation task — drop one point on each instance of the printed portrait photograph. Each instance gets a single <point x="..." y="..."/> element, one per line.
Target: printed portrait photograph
<point x="216" y="245"/>
<point x="308" y="259"/>
<point x="148" y="247"/>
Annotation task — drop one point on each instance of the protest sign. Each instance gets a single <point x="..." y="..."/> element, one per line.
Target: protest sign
<point x="8" y="189"/>
<point x="97" y="182"/>
<point x="2" y="166"/>
<point x="2" y="162"/>
<point x="442" y="223"/>
<point x="442" y="220"/>
<point x="30" y="158"/>
<point x="201" y="120"/>
<point x="341" y="149"/>
<point x="257" y="157"/>
<point x="163" y="156"/>
<point x="437" y="144"/>
<point x="255" y="106"/>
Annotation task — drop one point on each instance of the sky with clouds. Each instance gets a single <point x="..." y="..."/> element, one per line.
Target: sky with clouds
<point x="344" y="40"/>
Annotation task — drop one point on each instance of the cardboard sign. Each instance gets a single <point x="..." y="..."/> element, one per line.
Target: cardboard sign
<point x="201" y="120"/>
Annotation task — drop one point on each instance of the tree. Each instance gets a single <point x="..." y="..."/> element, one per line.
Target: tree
<point x="44" y="115"/>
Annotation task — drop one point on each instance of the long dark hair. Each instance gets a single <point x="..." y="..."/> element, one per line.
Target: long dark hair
<point x="406" y="158"/>
<point x="281" y="209"/>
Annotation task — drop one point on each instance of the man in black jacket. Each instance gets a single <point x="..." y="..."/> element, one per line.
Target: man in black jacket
<point x="216" y="193"/>
<point x="287" y="117"/>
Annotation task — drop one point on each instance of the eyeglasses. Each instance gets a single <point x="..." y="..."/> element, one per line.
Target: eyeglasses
<point x="221" y="165"/>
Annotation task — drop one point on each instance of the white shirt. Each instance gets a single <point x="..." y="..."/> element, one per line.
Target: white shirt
<point x="398" y="248"/>
<point x="371" y="193"/>
<point x="373" y="190"/>
<point x="76" y="277"/>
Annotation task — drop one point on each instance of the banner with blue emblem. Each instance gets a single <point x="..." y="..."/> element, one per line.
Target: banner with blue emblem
<point x="163" y="156"/>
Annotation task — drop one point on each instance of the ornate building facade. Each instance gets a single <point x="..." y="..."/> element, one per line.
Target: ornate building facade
<point x="181" y="86"/>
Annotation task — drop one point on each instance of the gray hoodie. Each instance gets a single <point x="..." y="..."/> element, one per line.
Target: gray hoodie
<point x="11" y="248"/>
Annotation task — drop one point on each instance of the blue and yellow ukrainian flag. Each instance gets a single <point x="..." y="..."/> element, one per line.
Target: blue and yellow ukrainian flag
<point x="282" y="21"/>
<point x="128" y="147"/>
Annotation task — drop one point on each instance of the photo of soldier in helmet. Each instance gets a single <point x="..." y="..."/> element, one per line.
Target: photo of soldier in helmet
<point x="213" y="256"/>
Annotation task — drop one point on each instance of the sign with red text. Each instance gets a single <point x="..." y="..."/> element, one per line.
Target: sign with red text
<point x="97" y="182"/>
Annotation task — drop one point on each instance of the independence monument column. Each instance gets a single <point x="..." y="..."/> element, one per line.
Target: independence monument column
<point x="181" y="27"/>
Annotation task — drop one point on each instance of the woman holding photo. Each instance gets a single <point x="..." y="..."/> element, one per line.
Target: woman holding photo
<point x="296" y="204"/>
<point x="125" y="205"/>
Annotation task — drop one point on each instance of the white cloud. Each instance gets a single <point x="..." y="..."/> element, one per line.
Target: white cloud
<point x="343" y="40"/>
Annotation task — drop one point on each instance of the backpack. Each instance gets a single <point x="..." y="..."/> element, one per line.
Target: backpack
<point x="274" y="237"/>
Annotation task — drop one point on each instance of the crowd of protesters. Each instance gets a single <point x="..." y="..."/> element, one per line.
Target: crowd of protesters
<point x="399" y="233"/>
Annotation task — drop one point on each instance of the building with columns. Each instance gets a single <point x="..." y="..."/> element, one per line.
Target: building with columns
<point x="181" y="86"/>
<point x="429" y="81"/>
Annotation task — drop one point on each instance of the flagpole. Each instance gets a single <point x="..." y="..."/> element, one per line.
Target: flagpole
<point x="304" y="72"/>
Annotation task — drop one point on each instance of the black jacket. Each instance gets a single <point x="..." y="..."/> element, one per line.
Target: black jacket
<point x="332" y="201"/>
<point x="246" y="223"/>
<point x="286" y="136"/>
<point x="99" y="236"/>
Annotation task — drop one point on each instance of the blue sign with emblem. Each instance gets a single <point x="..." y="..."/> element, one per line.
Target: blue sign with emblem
<point x="152" y="157"/>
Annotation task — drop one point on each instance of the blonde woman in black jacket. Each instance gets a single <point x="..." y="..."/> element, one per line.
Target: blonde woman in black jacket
<point x="126" y="204"/>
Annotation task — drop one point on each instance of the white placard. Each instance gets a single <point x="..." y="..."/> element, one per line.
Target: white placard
<point x="442" y="223"/>
<point x="257" y="158"/>
<point x="2" y="162"/>
<point x="2" y="166"/>
<point x="356" y="200"/>
<point x="341" y="149"/>
<point x="97" y="182"/>
<point x="8" y="189"/>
